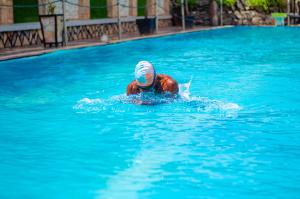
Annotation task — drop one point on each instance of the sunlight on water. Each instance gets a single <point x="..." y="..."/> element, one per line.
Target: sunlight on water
<point x="67" y="130"/>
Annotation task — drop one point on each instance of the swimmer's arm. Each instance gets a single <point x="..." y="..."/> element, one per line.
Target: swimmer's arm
<point x="173" y="87"/>
<point x="170" y="85"/>
<point x="132" y="89"/>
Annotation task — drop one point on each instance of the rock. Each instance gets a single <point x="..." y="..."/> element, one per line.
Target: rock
<point x="269" y="20"/>
<point x="239" y="5"/>
<point x="104" y="38"/>
<point x="252" y="13"/>
<point x="256" y="21"/>
<point x="240" y="13"/>
<point x="245" y="22"/>
<point x="237" y="14"/>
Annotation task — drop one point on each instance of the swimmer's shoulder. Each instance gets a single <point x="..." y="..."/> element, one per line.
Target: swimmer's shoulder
<point x="168" y="84"/>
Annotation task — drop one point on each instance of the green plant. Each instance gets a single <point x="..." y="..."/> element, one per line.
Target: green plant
<point x="279" y="14"/>
<point x="191" y="3"/>
<point x="266" y="4"/>
<point x="229" y="3"/>
<point x="258" y="3"/>
<point x="51" y="8"/>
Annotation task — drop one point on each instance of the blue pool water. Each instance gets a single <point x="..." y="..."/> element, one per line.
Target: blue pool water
<point x="68" y="131"/>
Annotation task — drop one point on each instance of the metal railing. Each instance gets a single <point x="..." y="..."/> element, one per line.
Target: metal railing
<point x="119" y="6"/>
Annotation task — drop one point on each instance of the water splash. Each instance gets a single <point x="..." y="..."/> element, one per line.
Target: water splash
<point x="184" y="90"/>
<point x="184" y="102"/>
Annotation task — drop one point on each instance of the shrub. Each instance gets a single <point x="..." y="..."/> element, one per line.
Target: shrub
<point x="229" y="3"/>
<point x="279" y="14"/>
<point x="266" y="4"/>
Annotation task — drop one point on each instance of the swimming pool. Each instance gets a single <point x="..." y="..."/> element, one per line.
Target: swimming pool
<point x="65" y="131"/>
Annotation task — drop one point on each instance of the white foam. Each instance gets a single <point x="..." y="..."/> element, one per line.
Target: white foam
<point x="184" y="90"/>
<point x="90" y="101"/>
<point x="88" y="105"/>
<point x="184" y="102"/>
<point x="231" y="106"/>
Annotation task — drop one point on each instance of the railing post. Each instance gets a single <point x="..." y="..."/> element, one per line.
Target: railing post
<point x="156" y="16"/>
<point x="288" y="12"/>
<point x="65" y="25"/>
<point x="183" y="15"/>
<point x="119" y="20"/>
<point x="221" y="12"/>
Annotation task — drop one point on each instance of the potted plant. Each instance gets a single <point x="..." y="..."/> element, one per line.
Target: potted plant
<point x="146" y="25"/>
<point x="52" y="26"/>
<point x="189" y="17"/>
<point x="279" y="18"/>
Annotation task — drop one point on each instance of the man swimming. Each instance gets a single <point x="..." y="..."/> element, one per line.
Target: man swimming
<point x="146" y="80"/>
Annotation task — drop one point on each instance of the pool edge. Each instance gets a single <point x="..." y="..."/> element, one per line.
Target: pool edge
<point x="46" y="51"/>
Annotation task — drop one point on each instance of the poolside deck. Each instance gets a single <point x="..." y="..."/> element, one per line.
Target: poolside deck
<point x="12" y="53"/>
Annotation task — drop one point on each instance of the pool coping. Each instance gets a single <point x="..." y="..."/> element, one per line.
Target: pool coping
<point x="46" y="51"/>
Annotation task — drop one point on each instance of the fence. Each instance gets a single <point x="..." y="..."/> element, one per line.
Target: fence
<point x="117" y="6"/>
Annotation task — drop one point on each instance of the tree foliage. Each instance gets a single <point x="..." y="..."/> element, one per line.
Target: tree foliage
<point x="266" y="4"/>
<point x="229" y="2"/>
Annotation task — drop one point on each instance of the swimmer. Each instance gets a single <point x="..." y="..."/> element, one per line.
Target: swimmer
<point x="146" y="80"/>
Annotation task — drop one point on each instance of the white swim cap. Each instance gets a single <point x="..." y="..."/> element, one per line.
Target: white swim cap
<point x="144" y="74"/>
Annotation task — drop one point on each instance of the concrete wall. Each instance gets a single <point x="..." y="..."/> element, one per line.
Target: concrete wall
<point x="128" y="9"/>
<point x="6" y="13"/>
<point x="84" y="12"/>
<point x="76" y="13"/>
<point x="124" y="11"/>
<point x="133" y="11"/>
<point x="163" y="7"/>
<point x="72" y="11"/>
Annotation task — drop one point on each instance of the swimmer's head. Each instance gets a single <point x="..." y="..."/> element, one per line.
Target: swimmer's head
<point x="144" y="74"/>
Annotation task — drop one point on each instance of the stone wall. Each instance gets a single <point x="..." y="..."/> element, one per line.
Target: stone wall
<point x="207" y="11"/>
<point x="162" y="23"/>
<point x="241" y="14"/>
<point x="247" y="17"/>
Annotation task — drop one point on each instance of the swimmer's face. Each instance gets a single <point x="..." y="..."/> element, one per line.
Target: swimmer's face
<point x="144" y="74"/>
<point x="146" y="81"/>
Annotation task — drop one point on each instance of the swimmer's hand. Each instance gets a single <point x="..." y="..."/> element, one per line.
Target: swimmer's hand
<point x="140" y="102"/>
